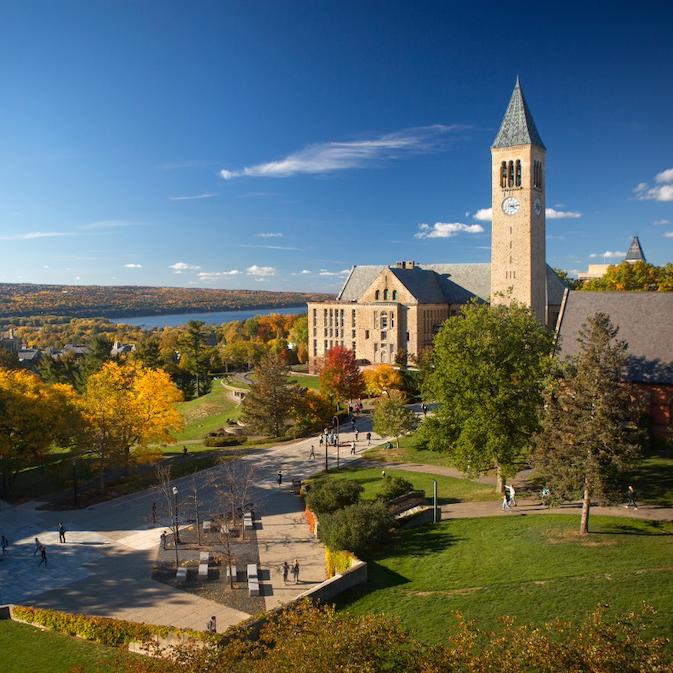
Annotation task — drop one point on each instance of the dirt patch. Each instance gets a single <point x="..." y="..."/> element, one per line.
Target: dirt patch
<point x="449" y="593"/>
<point x="572" y="536"/>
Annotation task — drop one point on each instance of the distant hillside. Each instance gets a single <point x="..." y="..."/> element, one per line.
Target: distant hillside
<point x="88" y="301"/>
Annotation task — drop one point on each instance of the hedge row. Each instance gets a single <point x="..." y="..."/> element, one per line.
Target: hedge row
<point x="103" y="630"/>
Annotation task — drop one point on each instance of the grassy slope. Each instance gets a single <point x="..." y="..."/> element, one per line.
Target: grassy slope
<point x="449" y="489"/>
<point x="26" y="649"/>
<point x="408" y="454"/>
<point x="306" y="381"/>
<point x="535" y="568"/>
<point x="207" y="413"/>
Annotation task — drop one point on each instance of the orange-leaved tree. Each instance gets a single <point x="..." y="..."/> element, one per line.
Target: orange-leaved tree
<point x="381" y="378"/>
<point x="340" y="376"/>
<point x="126" y="406"/>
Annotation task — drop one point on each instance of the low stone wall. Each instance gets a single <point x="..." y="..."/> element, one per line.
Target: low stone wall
<point x="332" y="587"/>
<point x="419" y="518"/>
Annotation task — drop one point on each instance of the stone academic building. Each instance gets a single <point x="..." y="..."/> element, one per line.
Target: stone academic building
<point x="382" y="310"/>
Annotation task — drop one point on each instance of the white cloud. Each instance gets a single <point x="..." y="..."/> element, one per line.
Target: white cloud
<point x="269" y="235"/>
<point x="340" y="155"/>
<point x="553" y="214"/>
<point x="217" y="274"/>
<point x="267" y="247"/>
<point x="447" y="229"/>
<point x="662" y="222"/>
<point x="181" y="267"/>
<point x="109" y="224"/>
<point x="608" y="254"/>
<point x="662" y="191"/>
<point x="668" y="234"/>
<point x="31" y="235"/>
<point x="484" y="214"/>
<point x="205" y="195"/>
<point x="325" y="272"/>
<point x="305" y="272"/>
<point x="260" y="271"/>
<point x="133" y="266"/>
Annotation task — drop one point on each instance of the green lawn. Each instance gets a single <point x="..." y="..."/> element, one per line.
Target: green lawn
<point x="306" y="381"/>
<point x="26" y="649"/>
<point x="449" y="489"/>
<point x="407" y="453"/>
<point x="534" y="568"/>
<point x="653" y="479"/>
<point x="207" y="413"/>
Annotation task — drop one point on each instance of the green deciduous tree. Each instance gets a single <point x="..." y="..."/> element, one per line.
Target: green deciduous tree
<point x="328" y="495"/>
<point x="586" y="437"/>
<point x="489" y="367"/>
<point x="392" y="417"/>
<point x="271" y="396"/>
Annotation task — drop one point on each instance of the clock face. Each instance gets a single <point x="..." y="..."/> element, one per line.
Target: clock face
<point x="537" y="206"/>
<point x="510" y="206"/>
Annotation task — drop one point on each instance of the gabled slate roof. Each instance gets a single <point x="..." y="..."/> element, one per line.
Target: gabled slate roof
<point x="635" y="252"/>
<point x="645" y="322"/>
<point x="518" y="127"/>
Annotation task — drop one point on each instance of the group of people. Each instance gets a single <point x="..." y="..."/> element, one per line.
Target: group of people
<point x="508" y="498"/>
<point x="39" y="549"/>
<point x="286" y="568"/>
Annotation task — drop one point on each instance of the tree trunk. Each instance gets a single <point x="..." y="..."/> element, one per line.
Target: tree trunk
<point x="499" y="480"/>
<point x="398" y="441"/>
<point x="586" y="505"/>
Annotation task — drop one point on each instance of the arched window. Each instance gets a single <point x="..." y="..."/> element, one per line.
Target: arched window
<point x="510" y="174"/>
<point x="385" y="295"/>
<point x="376" y="295"/>
<point x="503" y="174"/>
<point x="394" y="295"/>
<point x="518" y="173"/>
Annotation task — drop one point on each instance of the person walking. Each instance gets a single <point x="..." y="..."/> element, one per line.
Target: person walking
<point x="424" y="409"/>
<point x="321" y="441"/>
<point x="295" y="571"/>
<point x="631" y="497"/>
<point x="352" y="448"/>
<point x="353" y="425"/>
<point x="43" y="556"/>
<point x="211" y="626"/>
<point x="163" y="540"/>
<point x="286" y="570"/>
<point x="311" y="455"/>
<point x="154" y="512"/>
<point x="505" y="502"/>
<point x="61" y="532"/>
<point x="512" y="495"/>
<point x="369" y="439"/>
<point x="383" y="474"/>
<point x="357" y="434"/>
<point x="280" y="477"/>
<point x="4" y="543"/>
<point x="37" y="547"/>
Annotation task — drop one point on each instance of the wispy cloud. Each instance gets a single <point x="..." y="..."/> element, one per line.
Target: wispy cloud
<point x="109" y="224"/>
<point x="447" y="229"/>
<point x="205" y="195"/>
<point x="211" y="275"/>
<point x="267" y="247"/>
<point x="659" y="222"/>
<point x="668" y="234"/>
<point x="133" y="266"/>
<point x="31" y="235"/>
<point x="341" y="155"/>
<point x="608" y="254"/>
<point x="486" y="214"/>
<point x="181" y="267"/>
<point x="270" y="234"/>
<point x="260" y="271"/>
<point x="325" y="272"/>
<point x="305" y="272"/>
<point x="661" y="191"/>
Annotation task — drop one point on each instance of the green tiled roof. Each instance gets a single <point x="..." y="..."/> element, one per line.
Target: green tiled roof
<point x="518" y="127"/>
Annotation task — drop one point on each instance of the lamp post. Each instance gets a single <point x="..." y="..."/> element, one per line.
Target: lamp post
<point x="335" y="424"/>
<point x="75" y="502"/>
<point x="325" y="442"/>
<point x="177" y="530"/>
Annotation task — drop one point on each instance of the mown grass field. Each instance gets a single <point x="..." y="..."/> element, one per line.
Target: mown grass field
<point x="207" y="413"/>
<point x="449" y="489"/>
<point x="407" y="453"/>
<point x="534" y="568"/>
<point x="26" y="649"/>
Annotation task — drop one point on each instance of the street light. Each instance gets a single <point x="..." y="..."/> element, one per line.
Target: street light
<point x="177" y="530"/>
<point x="75" y="502"/>
<point x="335" y="424"/>
<point x="326" y="465"/>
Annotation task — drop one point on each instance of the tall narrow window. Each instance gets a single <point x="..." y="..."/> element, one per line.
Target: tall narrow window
<point x="510" y="174"/>
<point x="394" y="295"/>
<point x="376" y="295"/>
<point x="503" y="174"/>
<point x="385" y="295"/>
<point x="518" y="173"/>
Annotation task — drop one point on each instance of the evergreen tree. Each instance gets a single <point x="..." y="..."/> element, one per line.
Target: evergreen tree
<point x="97" y="355"/>
<point x="586" y="441"/>
<point x="195" y="355"/>
<point x="270" y="398"/>
<point x="64" y="369"/>
<point x="148" y="352"/>
<point x="489" y="367"/>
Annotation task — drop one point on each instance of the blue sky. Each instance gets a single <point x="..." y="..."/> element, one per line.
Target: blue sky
<point x="274" y="144"/>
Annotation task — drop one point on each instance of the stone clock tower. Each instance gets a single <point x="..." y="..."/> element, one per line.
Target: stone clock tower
<point x="518" y="265"/>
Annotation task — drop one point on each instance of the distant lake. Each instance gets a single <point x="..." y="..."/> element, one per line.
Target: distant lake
<point x="210" y="318"/>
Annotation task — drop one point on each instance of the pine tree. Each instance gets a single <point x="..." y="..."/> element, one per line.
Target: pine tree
<point x="586" y="440"/>
<point x="268" y="402"/>
<point x="195" y="355"/>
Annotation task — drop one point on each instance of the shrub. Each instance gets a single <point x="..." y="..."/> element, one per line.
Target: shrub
<point x="329" y="495"/>
<point x="394" y="487"/>
<point x="337" y="561"/>
<point x="224" y="440"/>
<point x="357" y="528"/>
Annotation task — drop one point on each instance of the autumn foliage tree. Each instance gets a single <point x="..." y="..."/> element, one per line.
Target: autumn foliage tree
<point x="340" y="376"/>
<point x="633" y="277"/>
<point x="126" y="406"/>
<point x="381" y="378"/>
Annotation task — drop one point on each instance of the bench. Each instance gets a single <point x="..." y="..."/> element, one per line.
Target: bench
<point x="248" y="523"/>
<point x="253" y="587"/>
<point x="234" y="572"/>
<point x="203" y="570"/>
<point x="252" y="571"/>
<point x="206" y="526"/>
<point x="204" y="557"/>
<point x="181" y="575"/>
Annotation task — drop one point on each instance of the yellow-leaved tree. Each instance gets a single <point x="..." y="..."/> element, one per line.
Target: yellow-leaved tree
<point x="33" y="415"/>
<point x="126" y="406"/>
<point x="381" y="378"/>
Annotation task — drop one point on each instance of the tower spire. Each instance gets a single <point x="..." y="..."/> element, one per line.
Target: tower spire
<point x="518" y="127"/>
<point x="635" y="252"/>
